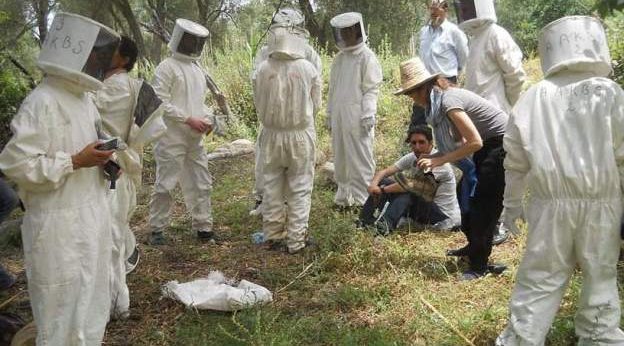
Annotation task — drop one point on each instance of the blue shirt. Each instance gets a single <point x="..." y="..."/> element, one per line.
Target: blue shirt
<point x="443" y="49"/>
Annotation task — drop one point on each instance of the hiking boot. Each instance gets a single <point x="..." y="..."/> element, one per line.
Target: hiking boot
<point x="156" y="239"/>
<point x="133" y="260"/>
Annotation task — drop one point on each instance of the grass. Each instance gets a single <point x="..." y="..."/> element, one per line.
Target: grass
<point x="358" y="290"/>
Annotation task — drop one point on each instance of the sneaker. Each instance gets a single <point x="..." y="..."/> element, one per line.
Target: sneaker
<point x="470" y="275"/>
<point x="256" y="211"/>
<point x="501" y="236"/>
<point x="461" y="252"/>
<point x="382" y="228"/>
<point x="207" y="237"/>
<point x="156" y="239"/>
<point x="6" y="279"/>
<point x="133" y="260"/>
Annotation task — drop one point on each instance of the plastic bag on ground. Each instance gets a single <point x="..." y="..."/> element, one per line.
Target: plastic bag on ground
<point x="216" y="293"/>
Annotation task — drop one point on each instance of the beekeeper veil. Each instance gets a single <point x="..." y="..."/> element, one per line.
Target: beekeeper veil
<point x="575" y="43"/>
<point x="188" y="39"/>
<point x="283" y="45"/>
<point x="475" y="12"/>
<point x="348" y="30"/>
<point x="78" y="49"/>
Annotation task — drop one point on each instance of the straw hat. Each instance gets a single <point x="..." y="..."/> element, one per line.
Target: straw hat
<point x="413" y="74"/>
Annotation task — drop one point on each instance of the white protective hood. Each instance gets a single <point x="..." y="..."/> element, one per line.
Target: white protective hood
<point x="78" y="49"/>
<point x="347" y="20"/>
<point x="285" y="45"/>
<point x="575" y="43"/>
<point x="188" y="38"/>
<point x="475" y="13"/>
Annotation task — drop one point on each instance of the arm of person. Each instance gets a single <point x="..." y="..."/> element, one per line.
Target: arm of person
<point x="373" y="187"/>
<point x="26" y="158"/>
<point x="394" y="188"/>
<point x="317" y="89"/>
<point x="461" y="49"/>
<point x="372" y="77"/>
<point x="472" y="141"/>
<point x="509" y="58"/>
<point x="164" y="80"/>
<point x="617" y="134"/>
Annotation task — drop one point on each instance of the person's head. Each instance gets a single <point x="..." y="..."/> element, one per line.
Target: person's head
<point x="438" y="11"/>
<point x="126" y="55"/>
<point x="420" y="139"/>
<point x="420" y="95"/>
<point x="351" y="35"/>
<point x="417" y="82"/>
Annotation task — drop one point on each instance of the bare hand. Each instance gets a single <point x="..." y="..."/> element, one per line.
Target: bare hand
<point x="374" y="190"/>
<point x="426" y="163"/>
<point x="90" y="157"/>
<point x="198" y="124"/>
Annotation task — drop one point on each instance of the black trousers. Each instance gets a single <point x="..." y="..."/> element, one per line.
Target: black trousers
<point x="486" y="205"/>
<point x="400" y="204"/>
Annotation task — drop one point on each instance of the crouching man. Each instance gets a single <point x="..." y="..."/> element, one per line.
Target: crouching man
<point x="436" y="207"/>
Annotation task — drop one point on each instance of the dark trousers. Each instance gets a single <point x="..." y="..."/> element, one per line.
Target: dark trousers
<point x="8" y="200"/>
<point x="487" y="203"/>
<point x="400" y="204"/>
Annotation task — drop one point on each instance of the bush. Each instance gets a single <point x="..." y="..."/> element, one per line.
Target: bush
<point x="13" y="90"/>
<point x="615" y="32"/>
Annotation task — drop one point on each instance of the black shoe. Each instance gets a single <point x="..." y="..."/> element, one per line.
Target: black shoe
<point x="470" y="275"/>
<point x="276" y="245"/>
<point x="6" y="279"/>
<point x="501" y="236"/>
<point x="496" y="268"/>
<point x="461" y="252"/>
<point x="207" y="237"/>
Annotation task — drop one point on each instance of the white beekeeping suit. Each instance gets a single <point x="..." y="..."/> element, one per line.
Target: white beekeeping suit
<point x="291" y="21"/>
<point x="287" y="97"/>
<point x="179" y="153"/>
<point x="352" y="105"/>
<point x="494" y="65"/>
<point x="66" y="228"/>
<point x="128" y="107"/>
<point x="565" y="143"/>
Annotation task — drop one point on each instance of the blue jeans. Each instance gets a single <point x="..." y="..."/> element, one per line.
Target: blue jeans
<point x="467" y="184"/>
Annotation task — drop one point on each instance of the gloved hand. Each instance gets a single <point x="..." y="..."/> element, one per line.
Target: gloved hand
<point x="511" y="215"/>
<point x="366" y="124"/>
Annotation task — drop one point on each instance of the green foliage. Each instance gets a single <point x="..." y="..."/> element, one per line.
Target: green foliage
<point x="615" y="33"/>
<point x="13" y="89"/>
<point x="525" y="19"/>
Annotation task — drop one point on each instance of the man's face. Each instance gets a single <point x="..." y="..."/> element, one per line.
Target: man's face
<point x="350" y="35"/>
<point x="437" y="13"/>
<point x="419" y="144"/>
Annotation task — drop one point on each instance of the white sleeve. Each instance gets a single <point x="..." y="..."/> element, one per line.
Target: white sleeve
<point x="516" y="164"/>
<point x="372" y="76"/>
<point x="164" y="79"/>
<point x="317" y="89"/>
<point x="509" y="58"/>
<point x="461" y="48"/>
<point x="25" y="159"/>
<point x="617" y="117"/>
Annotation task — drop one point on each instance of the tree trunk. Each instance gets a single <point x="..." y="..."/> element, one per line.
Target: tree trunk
<point x="42" y="10"/>
<point x="312" y="25"/>
<point x="133" y="24"/>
